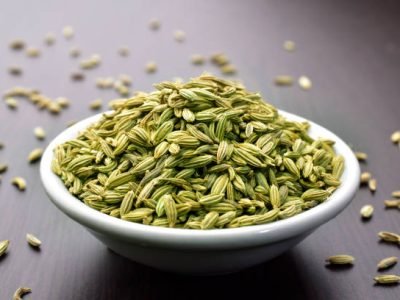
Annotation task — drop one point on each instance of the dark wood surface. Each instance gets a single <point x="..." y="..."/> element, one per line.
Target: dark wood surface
<point x="350" y="50"/>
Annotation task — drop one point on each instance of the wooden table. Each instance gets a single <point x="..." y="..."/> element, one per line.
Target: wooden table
<point x="350" y="50"/>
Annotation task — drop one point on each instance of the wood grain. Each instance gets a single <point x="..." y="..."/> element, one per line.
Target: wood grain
<point x="350" y="50"/>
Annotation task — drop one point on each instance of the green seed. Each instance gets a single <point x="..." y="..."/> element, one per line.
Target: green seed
<point x="20" y="292"/>
<point x="341" y="259"/>
<point x="367" y="211"/>
<point x="35" y="155"/>
<point x="387" y="279"/>
<point x="3" y="247"/>
<point x="33" y="240"/>
<point x="19" y="182"/>
<point x="387" y="262"/>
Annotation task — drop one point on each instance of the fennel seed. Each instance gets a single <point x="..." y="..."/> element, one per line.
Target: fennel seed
<point x="151" y="67"/>
<point x="387" y="279"/>
<point x="361" y="156"/>
<point x="340" y="259"/>
<point x="35" y="155"/>
<point x="12" y="103"/>
<point x="389" y="237"/>
<point x="74" y="52"/>
<point x="3" y="247"/>
<point x="33" y="240"/>
<point x="367" y="211"/>
<point x="365" y="177"/>
<point x="289" y="46"/>
<point x="39" y="133"/>
<point x="49" y="39"/>
<point x="395" y="137"/>
<point x="305" y="82"/>
<point x="283" y="80"/>
<point x="32" y="52"/>
<point x="19" y="183"/>
<point x="395" y="203"/>
<point x="179" y="36"/>
<point x="96" y="104"/>
<point x="154" y="24"/>
<point x="68" y="32"/>
<point x="17" y="44"/>
<point x="123" y="51"/>
<point x="15" y="70"/>
<point x="20" y="292"/>
<point x="387" y="262"/>
<point x="372" y="184"/>
<point x="3" y="168"/>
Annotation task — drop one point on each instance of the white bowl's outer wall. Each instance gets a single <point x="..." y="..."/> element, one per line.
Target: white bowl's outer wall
<point x="235" y="248"/>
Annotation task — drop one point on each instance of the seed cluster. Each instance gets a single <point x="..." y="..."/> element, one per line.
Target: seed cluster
<point x="202" y="154"/>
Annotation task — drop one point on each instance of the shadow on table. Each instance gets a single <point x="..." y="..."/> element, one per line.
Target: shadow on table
<point x="278" y="279"/>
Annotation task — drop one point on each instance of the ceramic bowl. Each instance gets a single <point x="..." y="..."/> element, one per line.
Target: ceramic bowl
<point x="200" y="251"/>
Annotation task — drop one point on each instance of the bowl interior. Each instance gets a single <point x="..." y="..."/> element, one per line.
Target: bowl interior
<point x="187" y="238"/>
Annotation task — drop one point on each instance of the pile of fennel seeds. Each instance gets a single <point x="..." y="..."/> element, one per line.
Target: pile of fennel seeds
<point x="200" y="155"/>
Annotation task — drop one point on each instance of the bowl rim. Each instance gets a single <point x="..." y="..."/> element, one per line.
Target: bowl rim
<point x="242" y="237"/>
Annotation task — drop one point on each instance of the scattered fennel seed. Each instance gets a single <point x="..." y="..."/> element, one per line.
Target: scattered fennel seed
<point x="68" y="32"/>
<point x="151" y="67"/>
<point x="387" y="262"/>
<point x="33" y="240"/>
<point x="387" y="279"/>
<point x="3" y="168"/>
<point x="32" y="52"/>
<point x="62" y="101"/>
<point x="365" y="177"/>
<point x="154" y="24"/>
<point x="20" y="292"/>
<point x="35" y="155"/>
<point x="15" y="70"/>
<point x="395" y="137"/>
<point x="305" y="82"/>
<point x="12" y="103"/>
<point x="19" y="182"/>
<point x="39" y="133"/>
<point x="197" y="59"/>
<point x="49" y="39"/>
<point x="228" y="69"/>
<point x="77" y="76"/>
<point x="389" y="237"/>
<point x="17" y="44"/>
<point x="367" y="211"/>
<point x="372" y="184"/>
<point x="125" y="79"/>
<point x="96" y="104"/>
<point x="54" y="107"/>
<point x="396" y="194"/>
<point x="392" y="203"/>
<point x="219" y="59"/>
<point x="283" y="80"/>
<point x="289" y="46"/>
<point x="361" y="156"/>
<point x="74" y="52"/>
<point x="179" y="36"/>
<point x="3" y="247"/>
<point x="123" y="51"/>
<point x="340" y="259"/>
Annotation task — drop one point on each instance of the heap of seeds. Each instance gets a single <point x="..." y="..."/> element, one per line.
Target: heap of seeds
<point x="202" y="154"/>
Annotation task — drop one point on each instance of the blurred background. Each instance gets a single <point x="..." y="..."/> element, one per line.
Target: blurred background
<point x="350" y="51"/>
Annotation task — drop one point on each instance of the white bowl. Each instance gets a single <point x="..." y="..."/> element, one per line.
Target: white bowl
<point x="200" y="251"/>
